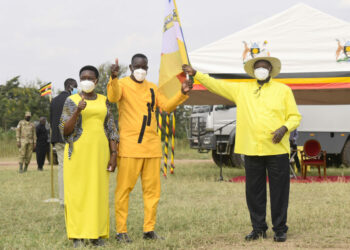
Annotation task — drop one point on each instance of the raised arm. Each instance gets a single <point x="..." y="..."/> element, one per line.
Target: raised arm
<point x="114" y="91"/>
<point x="227" y="90"/>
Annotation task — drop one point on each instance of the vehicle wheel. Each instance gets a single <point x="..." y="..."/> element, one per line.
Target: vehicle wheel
<point x="346" y="154"/>
<point x="333" y="160"/>
<point x="216" y="159"/>
<point x="236" y="160"/>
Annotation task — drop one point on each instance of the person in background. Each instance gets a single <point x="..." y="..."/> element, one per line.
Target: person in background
<point x="26" y="141"/>
<point x="294" y="147"/>
<point x="42" y="144"/>
<point x="140" y="149"/>
<point x="266" y="113"/>
<point x="90" y="153"/>
<point x="70" y="87"/>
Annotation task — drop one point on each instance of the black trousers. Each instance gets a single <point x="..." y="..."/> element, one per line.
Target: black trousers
<point x="41" y="151"/>
<point x="277" y="167"/>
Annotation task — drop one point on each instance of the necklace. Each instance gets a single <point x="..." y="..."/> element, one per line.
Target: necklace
<point x="88" y="97"/>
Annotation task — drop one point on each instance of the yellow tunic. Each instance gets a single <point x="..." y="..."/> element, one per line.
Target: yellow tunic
<point x="137" y="120"/>
<point x="86" y="179"/>
<point x="260" y="111"/>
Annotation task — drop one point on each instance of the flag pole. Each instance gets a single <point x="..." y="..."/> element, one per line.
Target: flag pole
<point x="51" y="160"/>
<point x="52" y="199"/>
<point x="178" y="18"/>
<point x="172" y="143"/>
<point x="160" y="121"/>
<point x="166" y="145"/>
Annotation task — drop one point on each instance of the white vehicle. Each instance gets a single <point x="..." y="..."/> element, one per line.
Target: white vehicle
<point x="328" y="124"/>
<point x="213" y="128"/>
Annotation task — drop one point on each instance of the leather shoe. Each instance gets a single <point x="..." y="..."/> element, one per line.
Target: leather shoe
<point x="254" y="235"/>
<point x="97" y="242"/>
<point x="123" y="238"/>
<point x="280" y="237"/>
<point x="78" y="243"/>
<point x="151" y="235"/>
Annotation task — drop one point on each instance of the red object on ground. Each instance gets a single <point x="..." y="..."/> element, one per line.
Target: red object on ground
<point x="308" y="179"/>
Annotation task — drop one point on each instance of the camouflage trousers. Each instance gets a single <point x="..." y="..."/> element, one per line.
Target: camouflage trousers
<point x="25" y="152"/>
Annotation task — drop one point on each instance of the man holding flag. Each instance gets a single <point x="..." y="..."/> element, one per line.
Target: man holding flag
<point x="140" y="146"/>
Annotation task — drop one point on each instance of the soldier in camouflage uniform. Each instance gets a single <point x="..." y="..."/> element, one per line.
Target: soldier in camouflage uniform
<point x="26" y="139"/>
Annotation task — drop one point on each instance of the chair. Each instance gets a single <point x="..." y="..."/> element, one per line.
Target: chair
<point x="313" y="156"/>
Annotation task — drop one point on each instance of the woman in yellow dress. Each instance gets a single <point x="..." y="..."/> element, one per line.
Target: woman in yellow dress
<point x="90" y="154"/>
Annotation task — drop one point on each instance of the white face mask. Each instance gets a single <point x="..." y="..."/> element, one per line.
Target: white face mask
<point x="87" y="86"/>
<point x="140" y="74"/>
<point x="261" y="73"/>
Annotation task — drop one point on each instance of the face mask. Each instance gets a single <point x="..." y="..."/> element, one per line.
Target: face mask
<point x="261" y="73"/>
<point x="87" y="86"/>
<point x="74" y="91"/>
<point x="140" y="74"/>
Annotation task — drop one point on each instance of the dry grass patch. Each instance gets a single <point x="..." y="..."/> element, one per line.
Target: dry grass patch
<point x="195" y="212"/>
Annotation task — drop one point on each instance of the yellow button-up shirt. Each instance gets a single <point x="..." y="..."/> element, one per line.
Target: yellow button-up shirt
<point x="137" y="104"/>
<point x="260" y="111"/>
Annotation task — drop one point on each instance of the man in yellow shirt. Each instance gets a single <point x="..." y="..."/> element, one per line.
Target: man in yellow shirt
<point x="266" y="113"/>
<point x="140" y="146"/>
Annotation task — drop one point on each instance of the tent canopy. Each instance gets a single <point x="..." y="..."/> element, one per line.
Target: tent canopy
<point x="314" y="49"/>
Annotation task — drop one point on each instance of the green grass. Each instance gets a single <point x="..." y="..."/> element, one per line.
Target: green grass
<point x="183" y="151"/>
<point x="195" y="212"/>
<point x="8" y="149"/>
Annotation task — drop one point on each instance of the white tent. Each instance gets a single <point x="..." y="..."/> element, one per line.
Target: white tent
<point x="314" y="48"/>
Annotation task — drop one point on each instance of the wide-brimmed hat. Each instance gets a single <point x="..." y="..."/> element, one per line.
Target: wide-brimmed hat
<point x="28" y="113"/>
<point x="275" y="62"/>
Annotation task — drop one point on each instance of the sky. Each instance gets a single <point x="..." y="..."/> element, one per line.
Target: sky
<point x="52" y="40"/>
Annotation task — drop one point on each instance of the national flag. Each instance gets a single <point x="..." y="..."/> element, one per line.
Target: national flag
<point x="46" y="89"/>
<point x="174" y="52"/>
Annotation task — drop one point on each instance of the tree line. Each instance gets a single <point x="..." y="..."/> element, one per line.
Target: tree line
<point x="16" y="98"/>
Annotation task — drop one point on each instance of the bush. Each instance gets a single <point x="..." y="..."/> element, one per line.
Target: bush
<point x="8" y="147"/>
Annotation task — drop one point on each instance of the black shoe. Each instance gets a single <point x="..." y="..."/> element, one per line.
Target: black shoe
<point x="97" y="242"/>
<point x="123" y="238"/>
<point x="280" y="237"/>
<point x="21" y="168"/>
<point x="78" y="243"/>
<point x="254" y="235"/>
<point x="151" y="235"/>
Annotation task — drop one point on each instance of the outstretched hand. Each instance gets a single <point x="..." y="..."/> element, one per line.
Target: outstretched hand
<point x="278" y="134"/>
<point x="186" y="86"/>
<point x="115" y="69"/>
<point x="187" y="69"/>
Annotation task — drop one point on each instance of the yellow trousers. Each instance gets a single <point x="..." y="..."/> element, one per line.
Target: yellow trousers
<point x="129" y="170"/>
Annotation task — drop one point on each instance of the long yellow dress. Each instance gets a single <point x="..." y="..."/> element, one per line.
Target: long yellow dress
<point x="86" y="178"/>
